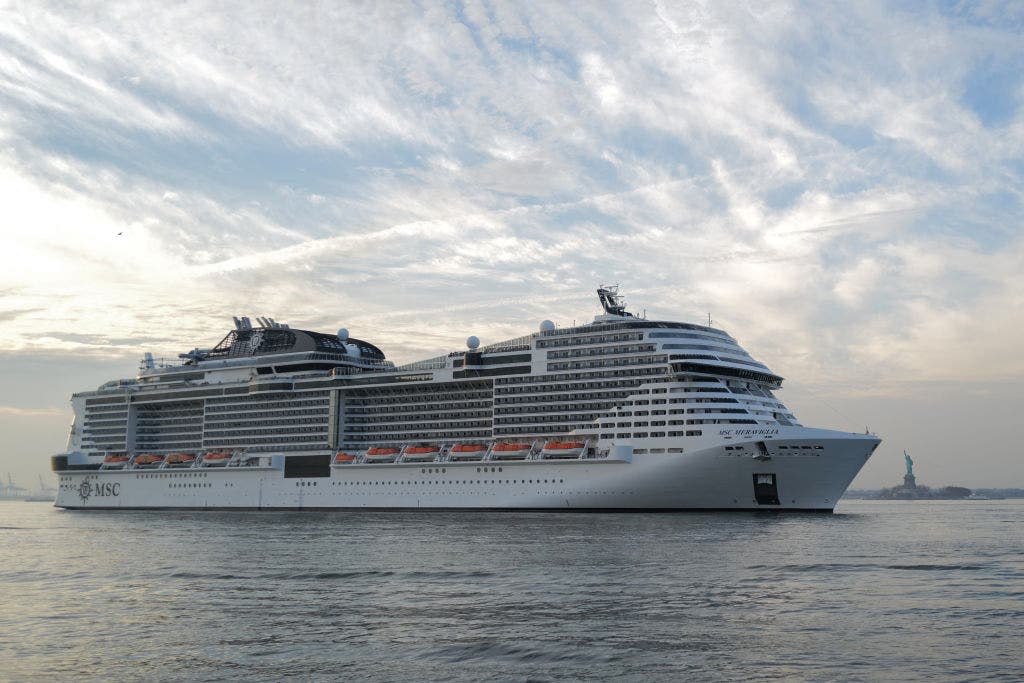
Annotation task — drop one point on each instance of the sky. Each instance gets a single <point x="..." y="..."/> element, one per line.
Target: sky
<point x="840" y="186"/>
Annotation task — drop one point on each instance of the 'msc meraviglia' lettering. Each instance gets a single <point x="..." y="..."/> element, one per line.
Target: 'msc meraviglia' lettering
<point x="767" y="431"/>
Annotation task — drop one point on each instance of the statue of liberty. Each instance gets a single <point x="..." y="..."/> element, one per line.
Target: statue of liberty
<point x="909" y="481"/>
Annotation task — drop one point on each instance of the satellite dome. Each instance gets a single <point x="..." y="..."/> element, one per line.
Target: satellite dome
<point x="343" y="335"/>
<point x="546" y="326"/>
<point x="353" y="350"/>
<point x="473" y="343"/>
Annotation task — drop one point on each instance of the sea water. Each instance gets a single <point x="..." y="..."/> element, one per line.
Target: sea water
<point x="894" y="590"/>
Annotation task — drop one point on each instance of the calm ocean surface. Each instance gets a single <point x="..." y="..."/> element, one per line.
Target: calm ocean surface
<point x="879" y="591"/>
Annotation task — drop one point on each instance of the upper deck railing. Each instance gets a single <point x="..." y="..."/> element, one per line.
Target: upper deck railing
<point x="436" y="363"/>
<point x="524" y="343"/>
<point x="341" y="359"/>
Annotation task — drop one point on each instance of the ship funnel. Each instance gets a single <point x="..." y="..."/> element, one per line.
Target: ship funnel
<point x="613" y="302"/>
<point x="147" y="361"/>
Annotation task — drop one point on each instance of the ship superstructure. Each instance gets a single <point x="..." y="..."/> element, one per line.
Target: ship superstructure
<point x="620" y="413"/>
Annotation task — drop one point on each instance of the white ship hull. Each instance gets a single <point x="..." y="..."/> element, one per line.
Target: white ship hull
<point x="623" y="413"/>
<point x="811" y="473"/>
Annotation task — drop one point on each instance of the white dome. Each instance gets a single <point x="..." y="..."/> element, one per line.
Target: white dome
<point x="473" y="343"/>
<point x="546" y="326"/>
<point x="343" y="335"/>
<point x="353" y="350"/>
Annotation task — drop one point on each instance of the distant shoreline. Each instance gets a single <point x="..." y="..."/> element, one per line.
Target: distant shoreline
<point x="934" y="494"/>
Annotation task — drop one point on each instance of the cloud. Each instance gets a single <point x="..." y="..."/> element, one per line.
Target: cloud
<point x="830" y="187"/>
<point x="12" y="315"/>
<point x="17" y="411"/>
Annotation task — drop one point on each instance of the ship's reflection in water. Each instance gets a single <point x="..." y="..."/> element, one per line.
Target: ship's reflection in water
<point x="880" y="590"/>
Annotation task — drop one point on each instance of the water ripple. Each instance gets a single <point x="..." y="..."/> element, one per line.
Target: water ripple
<point x="877" y="592"/>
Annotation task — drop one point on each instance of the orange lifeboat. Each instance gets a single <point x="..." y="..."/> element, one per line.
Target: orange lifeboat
<point x="421" y="453"/>
<point x="563" y="449"/>
<point x="149" y="459"/>
<point x="377" y="454"/>
<point x="468" y="448"/>
<point x="511" y="451"/>
<point x="114" y="459"/>
<point x="216" y="458"/>
<point x="344" y="458"/>
<point x="468" y="451"/>
<point x="180" y="459"/>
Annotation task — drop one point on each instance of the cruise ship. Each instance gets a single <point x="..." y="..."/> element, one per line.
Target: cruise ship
<point x="623" y="413"/>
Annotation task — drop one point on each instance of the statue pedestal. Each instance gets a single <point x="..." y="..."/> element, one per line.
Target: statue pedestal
<point x="909" y="482"/>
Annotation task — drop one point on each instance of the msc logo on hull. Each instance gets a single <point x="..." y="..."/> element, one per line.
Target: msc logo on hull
<point x="88" y="489"/>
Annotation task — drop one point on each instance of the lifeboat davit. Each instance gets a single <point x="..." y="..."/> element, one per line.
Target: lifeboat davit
<point x="148" y="459"/>
<point x="563" y="449"/>
<point x="421" y="453"/>
<point x="343" y="458"/>
<point x="216" y="459"/>
<point x="180" y="459"/>
<point x="511" y="451"/>
<point x="381" y="454"/>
